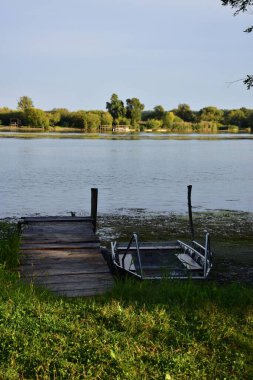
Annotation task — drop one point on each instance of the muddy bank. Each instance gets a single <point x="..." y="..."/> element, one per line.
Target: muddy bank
<point x="231" y="237"/>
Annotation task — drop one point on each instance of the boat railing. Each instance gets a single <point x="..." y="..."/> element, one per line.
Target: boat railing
<point x="134" y="240"/>
<point x="201" y="254"/>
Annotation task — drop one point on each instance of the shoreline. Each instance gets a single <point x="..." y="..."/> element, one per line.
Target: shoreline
<point x="231" y="235"/>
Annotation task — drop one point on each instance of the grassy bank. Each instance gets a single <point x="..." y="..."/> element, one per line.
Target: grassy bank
<point x="167" y="331"/>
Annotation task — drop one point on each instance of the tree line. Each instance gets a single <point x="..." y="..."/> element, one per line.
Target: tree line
<point x="131" y="114"/>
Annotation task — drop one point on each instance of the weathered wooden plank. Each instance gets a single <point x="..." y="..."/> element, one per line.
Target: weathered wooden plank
<point x="63" y="254"/>
<point x="65" y="228"/>
<point x="32" y="271"/>
<point x="70" y="261"/>
<point x="62" y="235"/>
<point x="58" y="239"/>
<point x="70" y="278"/>
<point x="33" y="246"/>
<point x="33" y="254"/>
<point x="49" y="219"/>
<point x="86" y="283"/>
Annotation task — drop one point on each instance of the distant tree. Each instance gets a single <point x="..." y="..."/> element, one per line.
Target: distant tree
<point x="123" y="121"/>
<point x="25" y="103"/>
<point x="146" y="115"/>
<point x="54" y="117"/>
<point x="153" y="124"/>
<point x="168" y="119"/>
<point x="36" y="118"/>
<point x="116" y="107"/>
<point x="235" y="117"/>
<point x="5" y="109"/>
<point x="242" y="6"/>
<point x="211" y="114"/>
<point x="184" y="112"/>
<point x="134" y="109"/>
<point x="77" y="119"/>
<point x="93" y="121"/>
<point x="106" y="118"/>
<point x="158" y="112"/>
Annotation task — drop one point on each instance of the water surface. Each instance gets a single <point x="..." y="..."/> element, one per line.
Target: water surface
<point x="54" y="176"/>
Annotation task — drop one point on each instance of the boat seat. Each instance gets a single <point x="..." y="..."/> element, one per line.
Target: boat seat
<point x="188" y="262"/>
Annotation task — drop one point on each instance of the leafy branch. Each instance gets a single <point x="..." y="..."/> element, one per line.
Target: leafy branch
<point x="242" y="6"/>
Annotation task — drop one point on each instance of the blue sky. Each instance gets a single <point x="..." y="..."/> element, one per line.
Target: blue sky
<point x="76" y="53"/>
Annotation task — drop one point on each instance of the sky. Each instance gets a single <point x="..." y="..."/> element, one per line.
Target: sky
<point x="76" y="54"/>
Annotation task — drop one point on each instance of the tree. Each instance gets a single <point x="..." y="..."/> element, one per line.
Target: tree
<point x="36" y="118"/>
<point x="134" y="109"/>
<point x="184" y="112"/>
<point x="77" y="119"/>
<point x="242" y="6"/>
<point x="93" y="121"/>
<point x="106" y="118"/>
<point x="211" y="114"/>
<point x="116" y="107"/>
<point x="25" y="103"/>
<point x="158" y="112"/>
<point x="236" y="117"/>
<point x="153" y="124"/>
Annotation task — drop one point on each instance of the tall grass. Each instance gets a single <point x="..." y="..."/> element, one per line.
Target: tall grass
<point x="9" y="245"/>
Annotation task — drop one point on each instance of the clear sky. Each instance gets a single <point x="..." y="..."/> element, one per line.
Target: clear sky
<point x="76" y="53"/>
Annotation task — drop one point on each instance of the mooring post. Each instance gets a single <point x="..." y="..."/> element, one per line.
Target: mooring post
<point x="94" y="206"/>
<point x="190" y="210"/>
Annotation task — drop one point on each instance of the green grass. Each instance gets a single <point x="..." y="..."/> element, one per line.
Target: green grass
<point x="9" y="244"/>
<point x="166" y="330"/>
<point x="140" y="330"/>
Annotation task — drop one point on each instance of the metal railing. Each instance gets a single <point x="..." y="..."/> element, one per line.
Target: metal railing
<point x="134" y="239"/>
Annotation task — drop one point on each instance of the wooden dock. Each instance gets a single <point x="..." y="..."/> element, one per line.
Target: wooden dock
<point x="63" y="254"/>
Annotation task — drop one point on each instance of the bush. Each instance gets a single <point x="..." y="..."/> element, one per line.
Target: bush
<point x="153" y="124"/>
<point x="36" y="118"/>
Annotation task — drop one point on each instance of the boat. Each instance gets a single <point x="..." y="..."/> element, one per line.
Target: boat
<point x="166" y="259"/>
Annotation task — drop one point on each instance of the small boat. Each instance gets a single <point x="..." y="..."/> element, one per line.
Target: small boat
<point x="167" y="259"/>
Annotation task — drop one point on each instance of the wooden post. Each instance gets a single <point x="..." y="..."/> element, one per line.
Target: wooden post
<point x="94" y="207"/>
<point x="190" y="210"/>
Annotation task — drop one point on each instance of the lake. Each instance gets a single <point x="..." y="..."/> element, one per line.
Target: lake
<point x="54" y="176"/>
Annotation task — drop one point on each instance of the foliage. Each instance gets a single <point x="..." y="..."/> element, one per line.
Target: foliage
<point x="25" y="103"/>
<point x="184" y="112"/>
<point x="158" y="112"/>
<point x="54" y="117"/>
<point x="9" y="245"/>
<point x="169" y="119"/>
<point x="210" y="114"/>
<point x="134" y="109"/>
<point x="242" y="6"/>
<point x="106" y="118"/>
<point x="153" y="124"/>
<point x="181" y="119"/>
<point x="36" y="118"/>
<point x="116" y="107"/>
<point x="93" y="121"/>
<point x="122" y="121"/>
<point x="166" y="330"/>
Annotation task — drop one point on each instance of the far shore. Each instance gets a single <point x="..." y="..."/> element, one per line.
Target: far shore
<point x="31" y="131"/>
